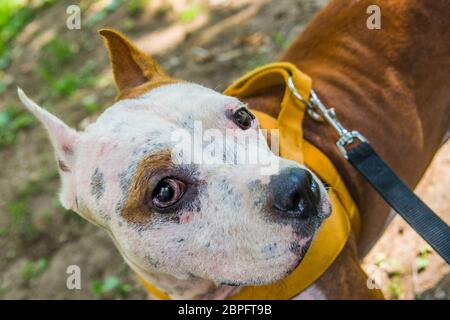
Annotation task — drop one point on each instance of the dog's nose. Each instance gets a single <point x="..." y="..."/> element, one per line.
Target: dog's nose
<point x="296" y="193"/>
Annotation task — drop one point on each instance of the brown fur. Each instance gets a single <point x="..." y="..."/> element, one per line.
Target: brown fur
<point x="136" y="208"/>
<point x="63" y="166"/>
<point x="345" y="278"/>
<point x="135" y="73"/>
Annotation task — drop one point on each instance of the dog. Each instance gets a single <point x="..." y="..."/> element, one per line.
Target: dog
<point x="202" y="231"/>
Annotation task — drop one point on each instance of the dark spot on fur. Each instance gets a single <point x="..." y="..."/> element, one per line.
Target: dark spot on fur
<point x="67" y="150"/>
<point x="63" y="166"/>
<point x="191" y="275"/>
<point x="233" y="283"/>
<point x="153" y="135"/>
<point x="153" y="262"/>
<point x="97" y="184"/>
<point x="294" y="247"/>
<point x="104" y="215"/>
<point x="124" y="181"/>
<point x="119" y="205"/>
<point x="260" y="192"/>
<point x="257" y="185"/>
<point x="270" y="249"/>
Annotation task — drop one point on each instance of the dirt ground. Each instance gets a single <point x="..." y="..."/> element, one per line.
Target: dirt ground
<point x="208" y="42"/>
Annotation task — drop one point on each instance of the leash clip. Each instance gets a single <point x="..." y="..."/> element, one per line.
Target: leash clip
<point x="310" y="107"/>
<point x="319" y="112"/>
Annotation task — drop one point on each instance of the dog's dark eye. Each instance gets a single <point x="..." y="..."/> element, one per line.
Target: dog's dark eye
<point x="167" y="192"/>
<point x="243" y="118"/>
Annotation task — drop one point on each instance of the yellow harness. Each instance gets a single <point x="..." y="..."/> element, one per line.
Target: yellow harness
<point x="334" y="231"/>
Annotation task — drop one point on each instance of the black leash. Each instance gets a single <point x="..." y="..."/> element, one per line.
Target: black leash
<point x="393" y="190"/>
<point x="397" y="194"/>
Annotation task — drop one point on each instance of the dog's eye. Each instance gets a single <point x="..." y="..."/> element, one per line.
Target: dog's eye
<point x="167" y="192"/>
<point x="243" y="118"/>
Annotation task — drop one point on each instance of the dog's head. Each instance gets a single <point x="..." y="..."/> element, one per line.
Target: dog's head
<point x="221" y="220"/>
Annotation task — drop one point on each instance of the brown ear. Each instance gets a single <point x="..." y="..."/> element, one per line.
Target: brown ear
<point x="132" y="68"/>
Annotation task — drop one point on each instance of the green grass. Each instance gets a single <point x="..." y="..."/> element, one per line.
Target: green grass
<point x="55" y="55"/>
<point x="19" y="209"/>
<point x="249" y="63"/>
<point x="280" y="40"/>
<point x="35" y="188"/>
<point x="65" y="86"/>
<point x="395" y="288"/>
<point x="380" y="258"/>
<point x="136" y="5"/>
<point x="98" y="16"/>
<point x="422" y="261"/>
<point x="10" y="254"/>
<point x="111" y="286"/>
<point x="89" y="103"/>
<point x="3" y="84"/>
<point x="4" y="232"/>
<point x="3" y="289"/>
<point x="14" y="16"/>
<point x="20" y="218"/>
<point x="12" y="120"/>
<point x="32" y="269"/>
<point x="190" y="13"/>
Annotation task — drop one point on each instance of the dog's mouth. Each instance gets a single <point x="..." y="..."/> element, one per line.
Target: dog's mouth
<point x="280" y="268"/>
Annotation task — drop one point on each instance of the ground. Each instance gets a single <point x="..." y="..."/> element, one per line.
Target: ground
<point x="208" y="42"/>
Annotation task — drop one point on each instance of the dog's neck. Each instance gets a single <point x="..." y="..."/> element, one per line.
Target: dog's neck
<point x="198" y="289"/>
<point x="193" y="288"/>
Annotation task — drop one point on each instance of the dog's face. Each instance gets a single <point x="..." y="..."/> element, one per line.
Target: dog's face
<point x="221" y="220"/>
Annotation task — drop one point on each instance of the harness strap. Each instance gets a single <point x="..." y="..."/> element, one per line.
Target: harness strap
<point x="394" y="191"/>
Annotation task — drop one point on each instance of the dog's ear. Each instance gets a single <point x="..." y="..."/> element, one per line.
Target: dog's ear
<point x="63" y="139"/>
<point x="131" y="67"/>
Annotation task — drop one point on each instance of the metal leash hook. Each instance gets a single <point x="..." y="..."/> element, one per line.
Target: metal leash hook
<point x="319" y="112"/>
<point x="382" y="178"/>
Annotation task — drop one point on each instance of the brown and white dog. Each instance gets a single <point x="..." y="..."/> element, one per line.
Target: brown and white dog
<point x="199" y="230"/>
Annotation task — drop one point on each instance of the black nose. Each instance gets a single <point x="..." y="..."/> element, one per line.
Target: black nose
<point x="296" y="193"/>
